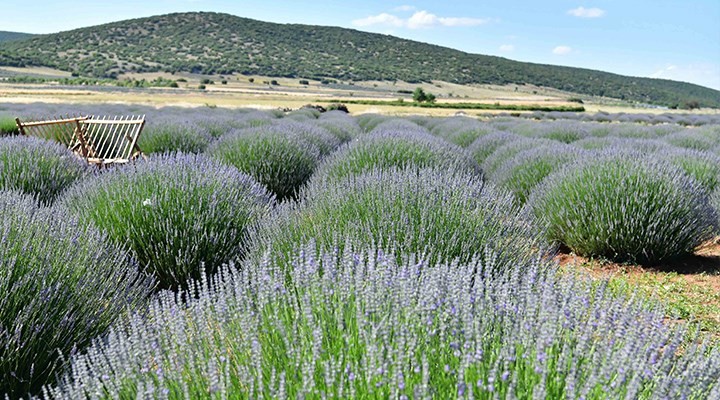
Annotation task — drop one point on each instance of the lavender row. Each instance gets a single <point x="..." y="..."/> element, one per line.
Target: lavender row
<point x="365" y="325"/>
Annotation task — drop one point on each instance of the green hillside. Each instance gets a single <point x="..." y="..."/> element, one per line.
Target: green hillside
<point x="213" y="43"/>
<point x="10" y="36"/>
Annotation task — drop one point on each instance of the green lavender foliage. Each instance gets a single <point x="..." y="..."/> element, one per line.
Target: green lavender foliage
<point x="175" y="212"/>
<point x="281" y="160"/>
<point x="37" y="167"/>
<point x="625" y="207"/>
<point x="63" y="285"/>
<point x="173" y="136"/>
<point x="396" y="148"/>
<point x="361" y="324"/>
<point x="446" y="214"/>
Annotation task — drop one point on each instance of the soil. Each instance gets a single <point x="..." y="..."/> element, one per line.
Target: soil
<point x="702" y="267"/>
<point x="698" y="275"/>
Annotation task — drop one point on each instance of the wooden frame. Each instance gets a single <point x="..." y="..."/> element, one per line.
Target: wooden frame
<point x="99" y="140"/>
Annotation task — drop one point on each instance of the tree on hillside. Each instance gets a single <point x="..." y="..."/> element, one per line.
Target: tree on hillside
<point x="420" y="96"/>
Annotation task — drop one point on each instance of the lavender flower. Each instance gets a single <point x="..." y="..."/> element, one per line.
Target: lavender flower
<point x="37" y="167"/>
<point x="443" y="214"/>
<point x="275" y="156"/>
<point x="174" y="212"/>
<point x="63" y="284"/>
<point x="623" y="206"/>
<point x="539" y="334"/>
<point x="385" y="149"/>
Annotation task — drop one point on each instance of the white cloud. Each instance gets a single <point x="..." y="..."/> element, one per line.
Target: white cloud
<point x="562" y="50"/>
<point x="507" y="48"/>
<point x="404" y="8"/>
<point x="381" y="19"/>
<point x="704" y="74"/>
<point x="583" y="12"/>
<point x="419" y="20"/>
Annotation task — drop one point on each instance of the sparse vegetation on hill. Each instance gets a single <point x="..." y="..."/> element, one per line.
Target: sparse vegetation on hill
<point x="213" y="43"/>
<point x="6" y="36"/>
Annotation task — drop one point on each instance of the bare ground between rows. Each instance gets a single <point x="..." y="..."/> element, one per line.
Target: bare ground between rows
<point x="688" y="286"/>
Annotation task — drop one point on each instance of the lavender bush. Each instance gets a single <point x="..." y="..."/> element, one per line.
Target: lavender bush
<point x="364" y="325"/>
<point x="703" y="166"/>
<point x="171" y="136"/>
<point x="561" y="131"/>
<point x="281" y="160"/>
<point x="368" y="122"/>
<point x="624" y="207"/>
<point x="510" y="149"/>
<point x="63" y="284"/>
<point x="7" y="126"/>
<point x="597" y="143"/>
<point x="523" y="172"/>
<point x="37" y="167"/>
<point x="690" y="140"/>
<point x="461" y="131"/>
<point x="484" y="146"/>
<point x="174" y="212"/>
<point x="386" y="149"/>
<point x="339" y="124"/>
<point x="325" y="142"/>
<point x="446" y="214"/>
<point x="399" y="125"/>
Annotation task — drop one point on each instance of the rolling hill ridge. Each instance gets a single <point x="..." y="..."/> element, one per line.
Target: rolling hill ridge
<point x="215" y="43"/>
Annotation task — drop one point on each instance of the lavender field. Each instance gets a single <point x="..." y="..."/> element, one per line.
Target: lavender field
<point x="270" y="254"/>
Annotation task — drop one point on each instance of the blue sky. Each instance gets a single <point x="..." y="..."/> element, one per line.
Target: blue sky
<point x="677" y="40"/>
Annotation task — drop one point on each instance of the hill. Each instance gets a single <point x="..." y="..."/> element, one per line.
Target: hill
<point x="10" y="36"/>
<point x="214" y="43"/>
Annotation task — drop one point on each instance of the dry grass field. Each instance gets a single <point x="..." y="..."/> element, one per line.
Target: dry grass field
<point x="258" y="92"/>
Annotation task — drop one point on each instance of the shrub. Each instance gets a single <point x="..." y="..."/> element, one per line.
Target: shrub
<point x="703" y="166"/>
<point x="399" y="125"/>
<point x="597" y="143"/>
<point x="510" y="149"/>
<point x="338" y="107"/>
<point x="170" y="137"/>
<point x="645" y="146"/>
<point x="562" y="131"/>
<point x="37" y="167"/>
<point x="624" y="207"/>
<point x="461" y="131"/>
<point x="484" y="146"/>
<point x="523" y="172"/>
<point x="443" y="213"/>
<point x="63" y="284"/>
<point x="343" y="128"/>
<point x="7" y="126"/>
<point x="633" y="131"/>
<point x="385" y="149"/>
<point x="280" y="160"/>
<point x="367" y="326"/>
<point x="175" y="212"/>
<point x="368" y="122"/>
<point x="690" y="140"/>
<point x="325" y="141"/>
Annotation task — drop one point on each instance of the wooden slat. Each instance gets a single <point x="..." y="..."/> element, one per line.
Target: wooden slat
<point x="51" y="122"/>
<point x="113" y="122"/>
<point x="99" y="140"/>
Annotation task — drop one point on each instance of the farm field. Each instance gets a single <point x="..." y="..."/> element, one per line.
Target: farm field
<point x="298" y="254"/>
<point x="255" y="91"/>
